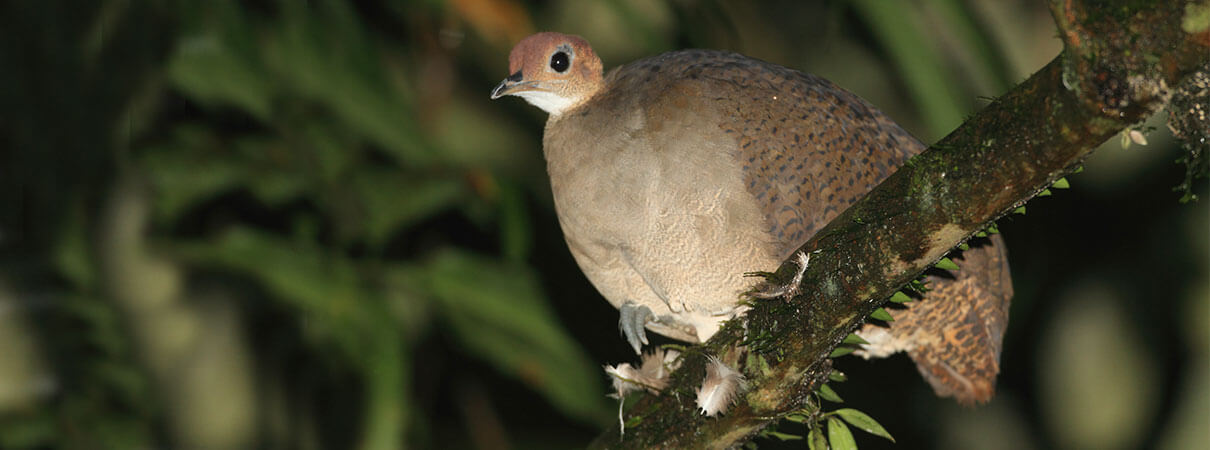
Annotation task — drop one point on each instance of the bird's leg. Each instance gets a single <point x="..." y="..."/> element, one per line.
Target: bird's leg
<point x="802" y="259"/>
<point x="633" y="324"/>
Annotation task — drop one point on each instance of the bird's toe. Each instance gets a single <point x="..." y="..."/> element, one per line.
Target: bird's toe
<point x="633" y="324"/>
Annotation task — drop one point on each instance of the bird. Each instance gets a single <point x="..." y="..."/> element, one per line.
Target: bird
<point x="675" y="175"/>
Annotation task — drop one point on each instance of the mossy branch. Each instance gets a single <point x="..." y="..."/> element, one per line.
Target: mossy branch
<point x="1120" y="63"/>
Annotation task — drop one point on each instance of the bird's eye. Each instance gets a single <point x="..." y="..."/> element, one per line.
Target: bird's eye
<point x="560" y="61"/>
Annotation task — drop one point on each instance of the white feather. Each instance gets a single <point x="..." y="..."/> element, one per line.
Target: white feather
<point x="651" y="375"/>
<point x="720" y="388"/>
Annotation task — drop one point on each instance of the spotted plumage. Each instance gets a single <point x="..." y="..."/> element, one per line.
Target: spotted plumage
<point x="676" y="174"/>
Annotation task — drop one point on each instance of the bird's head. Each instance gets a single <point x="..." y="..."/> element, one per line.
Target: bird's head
<point x="552" y="71"/>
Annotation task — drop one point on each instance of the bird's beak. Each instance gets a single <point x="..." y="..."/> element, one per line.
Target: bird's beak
<point x="511" y="85"/>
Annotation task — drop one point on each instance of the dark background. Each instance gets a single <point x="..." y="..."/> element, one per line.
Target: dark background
<point x="302" y="224"/>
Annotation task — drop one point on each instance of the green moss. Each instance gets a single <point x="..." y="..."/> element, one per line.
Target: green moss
<point x="1119" y="12"/>
<point x="1197" y="18"/>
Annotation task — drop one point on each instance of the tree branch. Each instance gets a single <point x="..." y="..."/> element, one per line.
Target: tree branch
<point x="1121" y="60"/>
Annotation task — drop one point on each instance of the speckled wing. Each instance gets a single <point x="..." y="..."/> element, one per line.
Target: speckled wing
<point x="809" y="149"/>
<point x="954" y="333"/>
<point x="958" y="328"/>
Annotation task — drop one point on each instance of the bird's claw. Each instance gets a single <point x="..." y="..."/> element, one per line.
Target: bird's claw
<point x="633" y="324"/>
<point x="802" y="259"/>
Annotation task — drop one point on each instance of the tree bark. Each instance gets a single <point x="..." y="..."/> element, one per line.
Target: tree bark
<point x="1120" y="64"/>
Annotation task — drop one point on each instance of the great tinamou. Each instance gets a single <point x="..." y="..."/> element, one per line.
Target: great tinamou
<point x="675" y="175"/>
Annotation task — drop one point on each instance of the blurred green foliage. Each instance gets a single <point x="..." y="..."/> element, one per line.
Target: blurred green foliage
<point x="301" y="224"/>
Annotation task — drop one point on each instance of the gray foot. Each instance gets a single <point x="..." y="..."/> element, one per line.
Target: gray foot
<point x="633" y="324"/>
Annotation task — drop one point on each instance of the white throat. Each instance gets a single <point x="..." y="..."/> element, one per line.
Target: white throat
<point x="550" y="102"/>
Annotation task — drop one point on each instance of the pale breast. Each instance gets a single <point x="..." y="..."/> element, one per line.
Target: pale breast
<point x="647" y="189"/>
